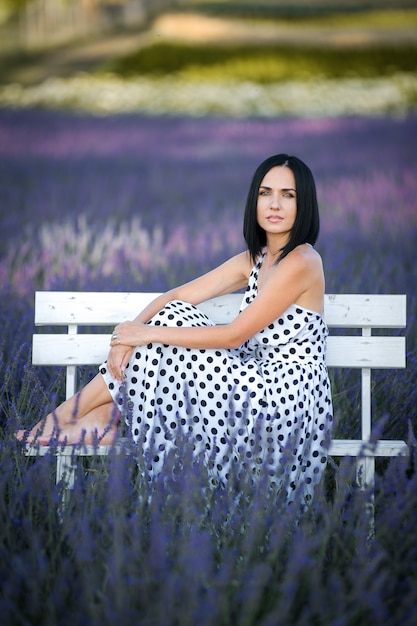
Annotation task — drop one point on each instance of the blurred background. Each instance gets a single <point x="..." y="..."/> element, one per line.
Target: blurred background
<point x="26" y="24"/>
<point x="213" y="42"/>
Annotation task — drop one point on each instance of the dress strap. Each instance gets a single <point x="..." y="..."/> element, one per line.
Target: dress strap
<point x="260" y="259"/>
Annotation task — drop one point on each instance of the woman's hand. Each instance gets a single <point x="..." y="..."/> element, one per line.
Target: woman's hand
<point x="124" y="338"/>
<point x="130" y="334"/>
<point x="117" y="360"/>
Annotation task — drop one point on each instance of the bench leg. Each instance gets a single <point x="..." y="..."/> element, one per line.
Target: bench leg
<point x="365" y="478"/>
<point x="66" y="466"/>
<point x="65" y="469"/>
<point x="365" y="472"/>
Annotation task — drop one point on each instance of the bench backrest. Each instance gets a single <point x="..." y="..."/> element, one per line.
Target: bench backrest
<point x="74" y="310"/>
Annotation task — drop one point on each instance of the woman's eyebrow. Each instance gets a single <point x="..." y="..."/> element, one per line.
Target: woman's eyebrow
<point x="283" y="189"/>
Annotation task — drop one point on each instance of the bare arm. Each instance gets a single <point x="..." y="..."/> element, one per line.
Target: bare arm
<point x="298" y="278"/>
<point x="228" y="277"/>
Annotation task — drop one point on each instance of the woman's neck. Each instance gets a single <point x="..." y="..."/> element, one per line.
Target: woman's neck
<point x="273" y="250"/>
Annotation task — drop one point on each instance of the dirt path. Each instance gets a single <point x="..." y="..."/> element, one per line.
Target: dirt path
<point x="201" y="28"/>
<point x="85" y="56"/>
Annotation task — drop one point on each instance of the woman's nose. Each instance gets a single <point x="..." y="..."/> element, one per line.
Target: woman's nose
<point x="275" y="203"/>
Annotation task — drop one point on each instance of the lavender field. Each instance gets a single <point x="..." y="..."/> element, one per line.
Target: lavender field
<point x="130" y="202"/>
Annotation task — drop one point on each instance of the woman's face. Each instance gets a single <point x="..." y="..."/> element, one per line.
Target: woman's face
<point x="277" y="202"/>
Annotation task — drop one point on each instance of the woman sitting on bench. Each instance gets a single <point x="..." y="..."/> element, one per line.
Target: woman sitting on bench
<point x="252" y="395"/>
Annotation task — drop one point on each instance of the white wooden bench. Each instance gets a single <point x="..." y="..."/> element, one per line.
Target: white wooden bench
<point x="70" y="349"/>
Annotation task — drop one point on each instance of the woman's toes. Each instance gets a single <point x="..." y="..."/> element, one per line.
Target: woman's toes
<point x="22" y="435"/>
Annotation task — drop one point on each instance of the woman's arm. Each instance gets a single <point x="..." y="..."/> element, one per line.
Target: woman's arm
<point x="298" y="278"/>
<point x="226" y="278"/>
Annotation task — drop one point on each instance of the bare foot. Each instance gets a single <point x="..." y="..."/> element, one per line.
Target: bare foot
<point x="46" y="428"/>
<point x="99" y="427"/>
<point x="73" y="435"/>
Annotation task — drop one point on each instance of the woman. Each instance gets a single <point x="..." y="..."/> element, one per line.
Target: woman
<point x="252" y="394"/>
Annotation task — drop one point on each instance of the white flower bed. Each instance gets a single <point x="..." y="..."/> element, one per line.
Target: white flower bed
<point x="318" y="97"/>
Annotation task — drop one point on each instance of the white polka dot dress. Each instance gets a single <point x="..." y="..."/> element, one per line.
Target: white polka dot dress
<point x="264" y="408"/>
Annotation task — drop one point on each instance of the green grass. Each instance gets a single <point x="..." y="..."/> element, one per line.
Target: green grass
<point x="390" y="18"/>
<point x="317" y="13"/>
<point x="261" y="63"/>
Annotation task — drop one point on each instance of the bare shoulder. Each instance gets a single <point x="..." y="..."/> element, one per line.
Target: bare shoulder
<point x="305" y="257"/>
<point x="305" y="267"/>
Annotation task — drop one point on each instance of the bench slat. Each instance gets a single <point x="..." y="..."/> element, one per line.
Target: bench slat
<point x="356" y="447"/>
<point x="87" y="349"/>
<point x="365" y="310"/>
<point x="109" y="308"/>
<point x="61" y="308"/>
<point x="338" y="447"/>
<point x="372" y="352"/>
